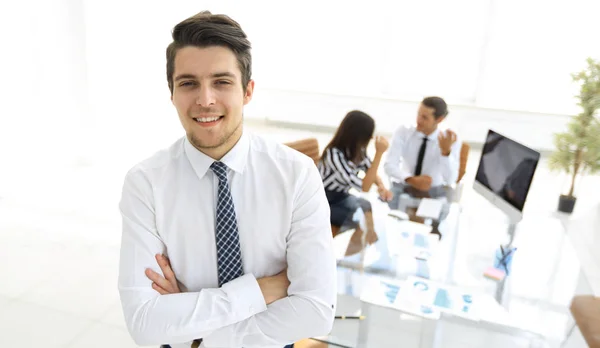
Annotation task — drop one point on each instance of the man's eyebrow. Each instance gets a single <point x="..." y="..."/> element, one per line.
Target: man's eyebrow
<point x="215" y="75"/>
<point x="222" y="74"/>
<point x="185" y="76"/>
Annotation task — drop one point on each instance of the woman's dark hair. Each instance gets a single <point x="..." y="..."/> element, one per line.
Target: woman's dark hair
<point x="353" y="136"/>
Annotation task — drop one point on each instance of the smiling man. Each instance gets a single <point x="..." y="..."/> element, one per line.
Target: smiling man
<point x="226" y="239"/>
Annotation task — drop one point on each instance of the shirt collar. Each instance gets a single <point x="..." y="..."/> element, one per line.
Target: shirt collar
<point x="235" y="159"/>
<point x="432" y="136"/>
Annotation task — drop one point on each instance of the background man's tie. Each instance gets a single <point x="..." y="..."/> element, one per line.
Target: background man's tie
<point x="421" y="157"/>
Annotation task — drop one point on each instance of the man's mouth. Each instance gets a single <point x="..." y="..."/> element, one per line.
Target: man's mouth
<point x="208" y="121"/>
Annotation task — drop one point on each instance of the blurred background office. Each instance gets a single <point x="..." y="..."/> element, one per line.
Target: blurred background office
<point x="83" y="97"/>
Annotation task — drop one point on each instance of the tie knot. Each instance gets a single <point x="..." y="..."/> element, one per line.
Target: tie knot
<point x="220" y="170"/>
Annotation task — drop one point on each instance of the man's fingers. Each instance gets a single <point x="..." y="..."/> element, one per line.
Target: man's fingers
<point x="159" y="289"/>
<point x="157" y="278"/>
<point x="451" y="135"/>
<point x="165" y="267"/>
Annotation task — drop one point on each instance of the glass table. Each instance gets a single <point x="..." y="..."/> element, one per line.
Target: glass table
<point x="529" y="308"/>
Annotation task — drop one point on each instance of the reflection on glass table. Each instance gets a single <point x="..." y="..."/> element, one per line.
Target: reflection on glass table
<point x="535" y="296"/>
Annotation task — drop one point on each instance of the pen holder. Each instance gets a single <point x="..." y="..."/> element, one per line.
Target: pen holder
<point x="503" y="259"/>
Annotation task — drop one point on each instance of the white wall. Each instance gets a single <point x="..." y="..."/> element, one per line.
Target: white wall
<point x="500" y="64"/>
<point x="470" y="122"/>
<point x="533" y="48"/>
<point x="93" y="72"/>
<point x="44" y="108"/>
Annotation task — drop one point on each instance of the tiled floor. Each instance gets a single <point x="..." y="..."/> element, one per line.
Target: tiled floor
<point x="59" y="239"/>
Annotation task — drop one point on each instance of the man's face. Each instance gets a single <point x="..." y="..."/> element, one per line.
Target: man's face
<point x="209" y="96"/>
<point x="426" y="122"/>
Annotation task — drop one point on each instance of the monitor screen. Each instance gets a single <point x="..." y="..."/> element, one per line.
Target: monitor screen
<point x="506" y="168"/>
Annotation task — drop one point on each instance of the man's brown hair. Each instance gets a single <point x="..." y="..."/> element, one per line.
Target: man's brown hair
<point x="204" y="30"/>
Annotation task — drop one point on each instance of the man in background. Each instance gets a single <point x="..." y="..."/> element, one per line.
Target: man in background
<point x="423" y="156"/>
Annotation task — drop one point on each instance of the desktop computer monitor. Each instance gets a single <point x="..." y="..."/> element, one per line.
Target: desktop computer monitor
<point x="505" y="173"/>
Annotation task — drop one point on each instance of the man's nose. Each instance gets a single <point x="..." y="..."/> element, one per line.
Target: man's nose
<point x="206" y="96"/>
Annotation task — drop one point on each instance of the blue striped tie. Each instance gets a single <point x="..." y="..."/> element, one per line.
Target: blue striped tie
<point x="229" y="256"/>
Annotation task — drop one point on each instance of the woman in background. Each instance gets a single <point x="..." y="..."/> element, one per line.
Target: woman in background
<point x="339" y="166"/>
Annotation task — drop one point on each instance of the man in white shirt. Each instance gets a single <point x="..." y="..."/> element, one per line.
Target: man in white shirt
<point x="423" y="157"/>
<point x="239" y="225"/>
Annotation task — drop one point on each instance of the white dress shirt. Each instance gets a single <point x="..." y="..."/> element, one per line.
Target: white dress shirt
<point x="402" y="157"/>
<point x="168" y="206"/>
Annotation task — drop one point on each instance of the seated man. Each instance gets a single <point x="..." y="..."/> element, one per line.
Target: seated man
<point x="423" y="157"/>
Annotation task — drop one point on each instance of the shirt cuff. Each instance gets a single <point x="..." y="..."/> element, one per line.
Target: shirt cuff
<point x="245" y="296"/>
<point x="405" y="176"/>
<point x="400" y="177"/>
<point x="246" y="300"/>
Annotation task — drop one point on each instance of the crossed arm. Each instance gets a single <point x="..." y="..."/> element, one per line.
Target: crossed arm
<point x="244" y="312"/>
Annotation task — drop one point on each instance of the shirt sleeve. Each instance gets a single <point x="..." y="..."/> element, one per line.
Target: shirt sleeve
<point x="395" y="166"/>
<point x="449" y="164"/>
<point x="337" y="160"/>
<point x="309" y="309"/>
<point x="154" y="319"/>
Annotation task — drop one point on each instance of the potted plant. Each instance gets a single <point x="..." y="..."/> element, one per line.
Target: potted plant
<point x="578" y="149"/>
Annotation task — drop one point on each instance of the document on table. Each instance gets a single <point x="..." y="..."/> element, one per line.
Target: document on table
<point x="430" y="208"/>
<point x="408" y="238"/>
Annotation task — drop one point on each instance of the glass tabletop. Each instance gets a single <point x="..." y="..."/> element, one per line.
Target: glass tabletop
<point x="406" y="240"/>
<point x="544" y="275"/>
<point x="455" y="251"/>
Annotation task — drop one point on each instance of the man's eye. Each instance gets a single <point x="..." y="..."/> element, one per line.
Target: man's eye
<point x="187" y="84"/>
<point x="223" y="82"/>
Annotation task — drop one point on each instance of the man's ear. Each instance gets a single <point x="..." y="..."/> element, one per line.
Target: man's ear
<point x="249" y="92"/>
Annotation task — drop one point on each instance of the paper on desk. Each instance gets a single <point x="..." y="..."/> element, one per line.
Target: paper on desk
<point x="430" y="208"/>
<point x="448" y="299"/>
<point x="407" y="238"/>
<point x="422" y="297"/>
<point x="385" y="292"/>
<point x="393" y="226"/>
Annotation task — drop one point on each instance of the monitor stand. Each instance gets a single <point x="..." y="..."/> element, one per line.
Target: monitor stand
<point x="501" y="285"/>
<point x="512" y="228"/>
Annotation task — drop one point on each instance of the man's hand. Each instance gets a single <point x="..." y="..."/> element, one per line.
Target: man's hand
<point x="421" y="182"/>
<point x="167" y="284"/>
<point x="446" y="139"/>
<point x="275" y="287"/>
<point x="385" y="194"/>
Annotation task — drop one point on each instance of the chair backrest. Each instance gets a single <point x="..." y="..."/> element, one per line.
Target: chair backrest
<point x="309" y="147"/>
<point x="464" y="157"/>
<point x="586" y="312"/>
